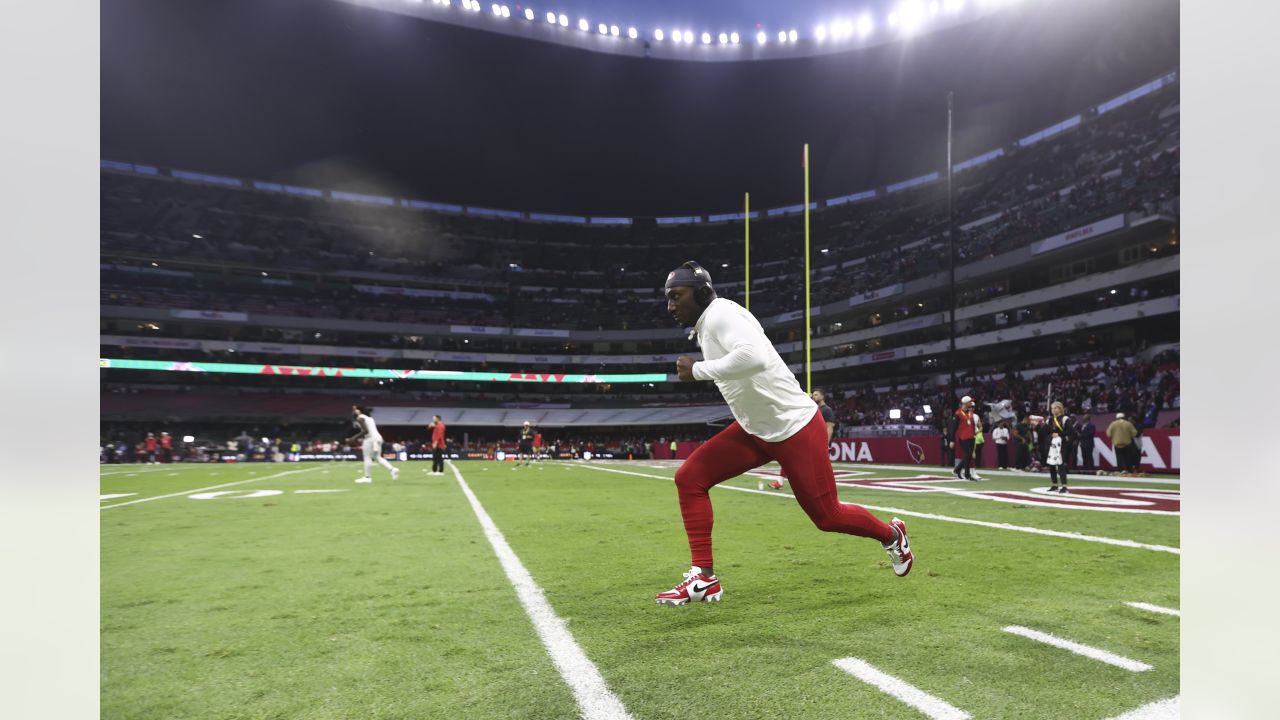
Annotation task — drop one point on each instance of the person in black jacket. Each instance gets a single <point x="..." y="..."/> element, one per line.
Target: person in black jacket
<point x="1057" y="425"/>
<point x="1086" y="436"/>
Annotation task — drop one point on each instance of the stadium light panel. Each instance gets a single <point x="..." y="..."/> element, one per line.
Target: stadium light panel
<point x="564" y="20"/>
<point x="188" y="438"/>
<point x="604" y="29"/>
<point x="583" y="25"/>
<point x="446" y="3"/>
<point x="761" y="38"/>
<point x="631" y="33"/>
<point x="551" y="18"/>
<point x="895" y="414"/>
<point x="506" y="11"/>
<point x="497" y="10"/>
<point x="706" y="38"/>
<point x="820" y="33"/>
<point x="613" y="30"/>
<point x="528" y="14"/>
<point x="782" y="36"/>
<point x="657" y="34"/>
<point x="919" y="418"/>
<point x="688" y="36"/>
<point x="928" y="409"/>
<point x="865" y="25"/>
<point x="724" y="38"/>
<point x="733" y="38"/>
<point x="792" y="35"/>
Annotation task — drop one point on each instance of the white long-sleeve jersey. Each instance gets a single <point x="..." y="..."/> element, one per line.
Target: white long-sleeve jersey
<point x="370" y="427"/>
<point x="762" y="393"/>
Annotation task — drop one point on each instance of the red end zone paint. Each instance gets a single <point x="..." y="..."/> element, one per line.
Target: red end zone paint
<point x="1161" y="451"/>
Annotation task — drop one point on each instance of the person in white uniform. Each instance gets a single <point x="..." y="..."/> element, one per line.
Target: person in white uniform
<point x="367" y="431"/>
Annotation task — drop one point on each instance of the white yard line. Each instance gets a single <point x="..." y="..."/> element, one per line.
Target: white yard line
<point x="595" y="700"/>
<point x="1092" y="653"/>
<point x="143" y="469"/>
<point x="935" y="708"/>
<point x="1155" y="609"/>
<point x="1169" y="709"/>
<point x="204" y="489"/>
<point x="931" y="516"/>
<point x="1014" y="473"/>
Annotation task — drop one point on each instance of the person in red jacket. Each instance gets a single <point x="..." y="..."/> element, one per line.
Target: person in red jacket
<point x="166" y="447"/>
<point x="962" y="434"/>
<point x="150" y="445"/>
<point x="437" y="445"/>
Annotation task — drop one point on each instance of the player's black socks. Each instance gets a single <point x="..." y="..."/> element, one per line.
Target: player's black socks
<point x="708" y="571"/>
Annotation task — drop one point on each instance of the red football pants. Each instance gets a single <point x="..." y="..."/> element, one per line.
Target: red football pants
<point x="803" y="456"/>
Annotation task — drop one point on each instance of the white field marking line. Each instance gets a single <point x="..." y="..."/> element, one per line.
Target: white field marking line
<point x="1092" y="653"/>
<point x="1168" y="709"/>
<point x="1013" y="473"/>
<point x="1031" y="496"/>
<point x="944" y="518"/>
<point x="113" y="496"/>
<point x="129" y="470"/>
<point x="300" y="492"/>
<point x="203" y="489"/>
<point x="595" y="700"/>
<point x="935" y="708"/>
<point x="1155" y="608"/>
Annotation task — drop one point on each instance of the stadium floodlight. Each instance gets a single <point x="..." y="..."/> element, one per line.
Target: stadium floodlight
<point x="688" y="36"/>
<point x="604" y="29"/>
<point x="188" y="438"/>
<point x="846" y="28"/>
<point x="782" y="36"/>
<point x="724" y="38"/>
<point x="865" y="26"/>
<point x="761" y="38"/>
<point x="792" y="36"/>
<point x="506" y="11"/>
<point x="893" y="19"/>
<point x="895" y="414"/>
<point x="528" y="14"/>
<point x="446" y="3"/>
<point x="564" y="20"/>
<point x="497" y="9"/>
<point x="919" y="418"/>
<point x="928" y="409"/>
<point x="613" y="30"/>
<point x="912" y="15"/>
<point x="583" y="25"/>
<point x="733" y="38"/>
<point x="706" y="38"/>
<point x="820" y="33"/>
<point x="551" y="18"/>
<point x="657" y="34"/>
<point x="631" y="33"/>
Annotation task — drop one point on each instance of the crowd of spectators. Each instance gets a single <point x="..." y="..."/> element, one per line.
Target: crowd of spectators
<point x="530" y="274"/>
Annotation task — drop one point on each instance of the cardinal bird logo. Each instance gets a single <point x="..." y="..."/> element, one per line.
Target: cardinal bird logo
<point x="917" y="452"/>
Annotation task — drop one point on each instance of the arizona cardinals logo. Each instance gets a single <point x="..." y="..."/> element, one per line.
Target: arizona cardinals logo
<point x="917" y="452"/>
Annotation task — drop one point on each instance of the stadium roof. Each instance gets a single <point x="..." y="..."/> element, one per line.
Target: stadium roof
<point x="334" y="95"/>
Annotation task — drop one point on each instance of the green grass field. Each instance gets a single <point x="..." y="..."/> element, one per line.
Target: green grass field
<point x="389" y="601"/>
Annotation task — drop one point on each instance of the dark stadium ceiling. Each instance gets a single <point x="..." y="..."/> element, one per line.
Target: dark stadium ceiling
<point x="705" y="30"/>
<point x="334" y="95"/>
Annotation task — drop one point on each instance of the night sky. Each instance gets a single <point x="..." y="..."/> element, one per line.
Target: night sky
<point x="331" y="95"/>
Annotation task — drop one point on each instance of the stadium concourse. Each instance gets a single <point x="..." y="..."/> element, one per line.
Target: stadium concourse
<point x="263" y="273"/>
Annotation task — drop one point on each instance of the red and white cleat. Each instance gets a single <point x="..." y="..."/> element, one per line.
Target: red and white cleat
<point x="695" y="588"/>
<point x="900" y="550"/>
<point x="778" y="484"/>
